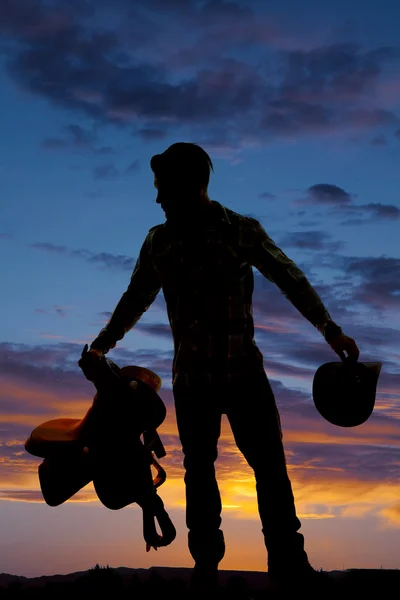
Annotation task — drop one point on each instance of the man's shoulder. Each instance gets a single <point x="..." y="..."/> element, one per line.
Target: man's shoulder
<point x="242" y="228"/>
<point x="240" y="219"/>
<point x="155" y="232"/>
<point x="153" y="237"/>
<point x="156" y="227"/>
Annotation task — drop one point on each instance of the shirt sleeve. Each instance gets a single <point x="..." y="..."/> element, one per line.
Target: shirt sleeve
<point x="145" y="283"/>
<point x="276" y="266"/>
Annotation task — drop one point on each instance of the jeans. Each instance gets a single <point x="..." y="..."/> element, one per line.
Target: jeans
<point x="250" y="406"/>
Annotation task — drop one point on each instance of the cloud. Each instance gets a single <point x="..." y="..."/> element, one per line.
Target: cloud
<point x="104" y="259"/>
<point x="375" y="290"/>
<point x="133" y="76"/>
<point x="380" y="282"/>
<point x="60" y="311"/>
<point x="340" y="202"/>
<point x="31" y="19"/>
<point x="392" y="513"/>
<point x="266" y="195"/>
<point x="382" y="211"/>
<point x="39" y="383"/>
<point x="327" y="193"/>
<point x="363" y="290"/>
<point x="106" y="172"/>
<point x="225" y="9"/>
<point x="36" y="496"/>
<point x="133" y="167"/>
<point x="109" y="171"/>
<point x="312" y="240"/>
<point x="342" y="471"/>
<point x="155" y="329"/>
<point x="274" y="310"/>
<point x="336" y="72"/>
<point x="77" y="138"/>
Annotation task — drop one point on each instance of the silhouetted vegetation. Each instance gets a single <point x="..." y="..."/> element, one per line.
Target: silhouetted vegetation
<point x="104" y="580"/>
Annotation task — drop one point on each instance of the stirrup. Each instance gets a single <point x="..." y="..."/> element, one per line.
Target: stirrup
<point x="151" y="512"/>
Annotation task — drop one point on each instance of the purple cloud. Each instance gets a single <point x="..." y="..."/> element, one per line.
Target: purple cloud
<point x="104" y="259"/>
<point x="78" y="138"/>
<point x="126" y="80"/>
<point x="31" y="19"/>
<point x="339" y="202"/>
<point x="382" y="211"/>
<point x="60" y="311"/>
<point x="311" y="240"/>
<point x="328" y="193"/>
<point x="55" y="368"/>
<point x="53" y="372"/>
<point x="112" y="261"/>
<point x="378" y="290"/>
<point x="367" y="286"/>
<point x="380" y="282"/>
<point x="156" y="329"/>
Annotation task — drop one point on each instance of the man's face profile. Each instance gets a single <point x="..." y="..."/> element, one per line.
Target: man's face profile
<point x="175" y="197"/>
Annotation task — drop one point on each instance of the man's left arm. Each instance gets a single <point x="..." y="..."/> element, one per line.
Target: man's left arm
<point x="276" y="266"/>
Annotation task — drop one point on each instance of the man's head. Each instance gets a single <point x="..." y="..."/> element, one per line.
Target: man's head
<point x="181" y="175"/>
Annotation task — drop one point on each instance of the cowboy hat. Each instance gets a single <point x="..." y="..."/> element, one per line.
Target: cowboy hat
<point x="344" y="392"/>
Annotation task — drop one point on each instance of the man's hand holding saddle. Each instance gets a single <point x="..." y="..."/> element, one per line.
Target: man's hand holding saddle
<point x="89" y="362"/>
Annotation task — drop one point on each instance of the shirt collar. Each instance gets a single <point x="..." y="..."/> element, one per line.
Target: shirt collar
<point x="220" y="215"/>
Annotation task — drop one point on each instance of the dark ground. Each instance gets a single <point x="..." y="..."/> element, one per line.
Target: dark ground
<point x="165" y="582"/>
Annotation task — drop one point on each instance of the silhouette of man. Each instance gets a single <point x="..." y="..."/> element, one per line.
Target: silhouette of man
<point x="202" y="259"/>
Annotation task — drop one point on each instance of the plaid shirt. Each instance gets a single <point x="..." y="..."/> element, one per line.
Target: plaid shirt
<point x="205" y="272"/>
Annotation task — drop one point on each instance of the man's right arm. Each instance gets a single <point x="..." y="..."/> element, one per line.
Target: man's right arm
<point x="142" y="290"/>
<point x="276" y="266"/>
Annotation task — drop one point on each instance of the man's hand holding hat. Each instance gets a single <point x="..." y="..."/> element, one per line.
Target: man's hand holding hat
<point x="343" y="343"/>
<point x="340" y="343"/>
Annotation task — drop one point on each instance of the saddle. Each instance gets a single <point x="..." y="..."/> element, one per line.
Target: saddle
<point x="113" y="446"/>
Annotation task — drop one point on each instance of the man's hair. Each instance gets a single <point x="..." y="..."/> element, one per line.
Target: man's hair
<point x="183" y="163"/>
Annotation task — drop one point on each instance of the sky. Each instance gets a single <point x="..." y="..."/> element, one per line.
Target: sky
<point x="298" y="105"/>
